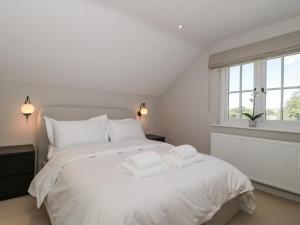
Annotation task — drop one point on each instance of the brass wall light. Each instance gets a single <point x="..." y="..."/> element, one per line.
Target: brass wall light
<point x="27" y="108"/>
<point x="143" y="110"/>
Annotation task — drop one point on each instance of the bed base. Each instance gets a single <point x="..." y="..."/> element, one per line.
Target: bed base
<point x="226" y="213"/>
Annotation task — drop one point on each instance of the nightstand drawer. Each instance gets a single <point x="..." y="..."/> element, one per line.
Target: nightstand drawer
<point x="14" y="186"/>
<point x="15" y="164"/>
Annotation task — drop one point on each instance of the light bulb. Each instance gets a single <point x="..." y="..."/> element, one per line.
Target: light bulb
<point x="144" y="111"/>
<point x="27" y="109"/>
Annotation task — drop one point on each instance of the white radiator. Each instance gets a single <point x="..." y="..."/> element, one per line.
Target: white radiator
<point x="275" y="163"/>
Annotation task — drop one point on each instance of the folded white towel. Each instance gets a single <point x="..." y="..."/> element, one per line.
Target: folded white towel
<point x="184" y="151"/>
<point x="144" y="160"/>
<point x="142" y="173"/>
<point x="175" y="161"/>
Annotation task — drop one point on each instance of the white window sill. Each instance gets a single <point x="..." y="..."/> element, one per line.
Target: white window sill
<point x="259" y="128"/>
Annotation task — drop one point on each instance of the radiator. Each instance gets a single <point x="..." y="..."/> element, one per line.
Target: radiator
<point x="270" y="162"/>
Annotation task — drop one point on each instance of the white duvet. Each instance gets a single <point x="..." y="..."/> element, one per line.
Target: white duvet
<point x="84" y="186"/>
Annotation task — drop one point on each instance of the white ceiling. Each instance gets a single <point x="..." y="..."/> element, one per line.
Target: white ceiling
<point x="122" y="45"/>
<point x="208" y="21"/>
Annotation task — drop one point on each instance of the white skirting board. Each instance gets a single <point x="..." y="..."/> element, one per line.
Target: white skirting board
<point x="270" y="162"/>
<point x="275" y="191"/>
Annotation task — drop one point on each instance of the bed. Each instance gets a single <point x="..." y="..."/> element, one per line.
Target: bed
<point x="84" y="186"/>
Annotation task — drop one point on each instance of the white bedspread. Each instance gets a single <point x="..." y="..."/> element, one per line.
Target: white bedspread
<point x="84" y="186"/>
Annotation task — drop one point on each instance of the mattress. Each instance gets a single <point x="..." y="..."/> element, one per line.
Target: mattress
<point x="85" y="186"/>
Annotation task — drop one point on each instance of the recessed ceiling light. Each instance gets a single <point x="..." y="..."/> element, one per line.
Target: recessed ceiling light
<point x="180" y="26"/>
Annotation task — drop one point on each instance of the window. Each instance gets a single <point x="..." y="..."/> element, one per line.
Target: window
<point x="241" y="85"/>
<point x="276" y="82"/>
<point x="283" y="88"/>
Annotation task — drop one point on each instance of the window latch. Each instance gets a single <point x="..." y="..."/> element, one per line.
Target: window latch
<point x="263" y="90"/>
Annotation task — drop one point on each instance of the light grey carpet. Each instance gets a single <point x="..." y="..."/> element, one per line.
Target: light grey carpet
<point x="271" y="210"/>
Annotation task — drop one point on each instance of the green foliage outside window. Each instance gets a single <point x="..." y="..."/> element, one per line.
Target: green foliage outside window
<point x="292" y="109"/>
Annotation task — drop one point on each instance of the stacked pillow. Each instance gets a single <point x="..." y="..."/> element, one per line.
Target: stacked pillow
<point x="127" y="129"/>
<point x="97" y="130"/>
<point x="66" y="134"/>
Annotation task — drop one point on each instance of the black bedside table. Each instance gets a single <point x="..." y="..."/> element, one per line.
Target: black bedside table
<point x="155" y="137"/>
<point x="16" y="170"/>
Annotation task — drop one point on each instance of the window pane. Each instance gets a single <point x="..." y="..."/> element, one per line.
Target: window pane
<point x="247" y="103"/>
<point x="247" y="76"/>
<point x="292" y="70"/>
<point x="291" y="104"/>
<point x="274" y="73"/>
<point x="234" y="106"/>
<point x="273" y="105"/>
<point x="234" y="78"/>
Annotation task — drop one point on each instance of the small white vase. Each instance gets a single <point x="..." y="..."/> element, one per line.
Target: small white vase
<point x="252" y="123"/>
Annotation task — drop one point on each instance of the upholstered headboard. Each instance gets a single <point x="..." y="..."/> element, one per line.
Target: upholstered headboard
<point x="69" y="113"/>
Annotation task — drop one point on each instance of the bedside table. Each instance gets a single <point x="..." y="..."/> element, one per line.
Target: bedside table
<point x="16" y="170"/>
<point x="156" y="137"/>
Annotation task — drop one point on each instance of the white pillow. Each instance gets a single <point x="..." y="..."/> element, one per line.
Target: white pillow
<point x="49" y="129"/>
<point x="97" y="118"/>
<point x="51" y="151"/>
<point x="64" y="134"/>
<point x="127" y="129"/>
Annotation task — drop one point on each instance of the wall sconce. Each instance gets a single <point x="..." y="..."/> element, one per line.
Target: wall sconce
<point x="143" y="110"/>
<point x="27" y="108"/>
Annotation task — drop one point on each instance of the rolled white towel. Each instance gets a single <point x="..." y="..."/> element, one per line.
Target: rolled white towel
<point x="175" y="161"/>
<point x="144" y="160"/>
<point x="142" y="173"/>
<point x="184" y="151"/>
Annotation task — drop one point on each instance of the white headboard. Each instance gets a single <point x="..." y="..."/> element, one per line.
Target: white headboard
<point x="69" y="113"/>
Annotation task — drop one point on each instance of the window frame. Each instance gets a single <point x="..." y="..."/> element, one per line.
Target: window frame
<point x="260" y="79"/>
<point x="240" y="91"/>
<point x="282" y="88"/>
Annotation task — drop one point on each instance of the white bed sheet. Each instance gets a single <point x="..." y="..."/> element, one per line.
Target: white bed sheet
<point x="84" y="186"/>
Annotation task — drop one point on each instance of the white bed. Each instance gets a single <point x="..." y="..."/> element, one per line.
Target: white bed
<point x="84" y="186"/>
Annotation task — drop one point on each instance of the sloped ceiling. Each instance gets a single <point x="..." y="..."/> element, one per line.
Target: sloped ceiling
<point x="121" y="45"/>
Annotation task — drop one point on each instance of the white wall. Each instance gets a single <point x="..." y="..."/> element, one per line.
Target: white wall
<point x="14" y="129"/>
<point x="186" y="108"/>
<point x="183" y="115"/>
